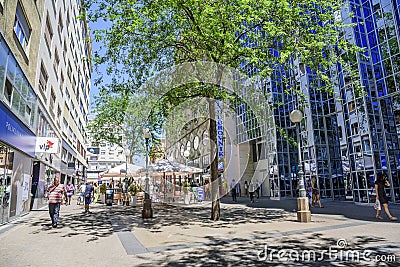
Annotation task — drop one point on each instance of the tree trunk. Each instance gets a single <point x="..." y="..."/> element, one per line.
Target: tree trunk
<point x="215" y="208"/>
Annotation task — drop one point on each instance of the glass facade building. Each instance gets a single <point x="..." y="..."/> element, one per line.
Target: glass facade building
<point x="346" y="138"/>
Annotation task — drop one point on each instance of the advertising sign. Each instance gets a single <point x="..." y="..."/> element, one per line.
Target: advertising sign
<point x="47" y="145"/>
<point x="16" y="133"/>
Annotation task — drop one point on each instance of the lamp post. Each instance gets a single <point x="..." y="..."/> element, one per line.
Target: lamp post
<point x="303" y="209"/>
<point x="147" y="211"/>
<point x="186" y="186"/>
<point x="126" y="182"/>
<point x="186" y="154"/>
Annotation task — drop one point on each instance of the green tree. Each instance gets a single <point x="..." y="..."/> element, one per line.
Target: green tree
<point x="148" y="36"/>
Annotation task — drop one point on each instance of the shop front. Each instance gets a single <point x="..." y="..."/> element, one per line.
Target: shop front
<point x="17" y="148"/>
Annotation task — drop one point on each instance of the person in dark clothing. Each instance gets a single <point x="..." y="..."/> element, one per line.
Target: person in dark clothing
<point x="380" y="184"/>
<point x="258" y="185"/>
<point x="88" y="196"/>
<point x="233" y="190"/>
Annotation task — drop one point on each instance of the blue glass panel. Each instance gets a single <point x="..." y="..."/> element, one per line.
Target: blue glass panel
<point x="358" y="40"/>
<point x="363" y="71"/>
<point x="369" y="25"/>
<point x="367" y="4"/>
<point x="380" y="87"/>
<point x="358" y="12"/>
<point x="367" y="12"/>
<point x="372" y="39"/>
<point x="378" y="71"/>
<point x="364" y="40"/>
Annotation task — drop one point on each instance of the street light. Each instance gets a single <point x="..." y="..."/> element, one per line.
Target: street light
<point x="125" y="191"/>
<point x="303" y="210"/>
<point x="186" y="154"/>
<point x="147" y="211"/>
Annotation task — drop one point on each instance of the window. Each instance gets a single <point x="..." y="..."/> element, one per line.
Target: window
<point x="354" y="128"/>
<point x="65" y="125"/>
<point x="69" y="70"/>
<point x="61" y="82"/>
<point x="21" y="27"/>
<point x="43" y="78"/>
<point x="68" y="17"/>
<point x="352" y="106"/>
<point x="56" y="62"/>
<point x="58" y="111"/>
<point x="48" y="32"/>
<point x="60" y="23"/>
<point x="52" y="99"/>
<point x="8" y="90"/>
<point x="65" y="48"/>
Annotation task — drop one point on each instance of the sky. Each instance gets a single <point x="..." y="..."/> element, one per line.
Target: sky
<point x="139" y="160"/>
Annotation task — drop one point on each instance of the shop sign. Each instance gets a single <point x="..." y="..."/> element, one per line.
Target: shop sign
<point x="46" y="145"/>
<point x="14" y="132"/>
<point x="220" y="129"/>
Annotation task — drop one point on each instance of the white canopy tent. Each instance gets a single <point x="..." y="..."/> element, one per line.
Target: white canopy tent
<point x="120" y="171"/>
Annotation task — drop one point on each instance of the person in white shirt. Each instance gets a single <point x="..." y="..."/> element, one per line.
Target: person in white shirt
<point x="252" y="188"/>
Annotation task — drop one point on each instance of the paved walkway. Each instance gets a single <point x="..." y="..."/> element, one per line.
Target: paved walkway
<point x="265" y="232"/>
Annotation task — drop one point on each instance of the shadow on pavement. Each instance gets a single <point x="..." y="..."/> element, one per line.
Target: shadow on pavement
<point x="314" y="251"/>
<point x="104" y="221"/>
<point x="347" y="209"/>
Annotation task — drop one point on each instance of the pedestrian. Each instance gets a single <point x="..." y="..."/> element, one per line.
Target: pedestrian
<point x="246" y="188"/>
<point x="88" y="196"/>
<point x="258" y="189"/>
<point x="309" y="191"/>
<point x="55" y="194"/>
<point x="380" y="184"/>
<point x="252" y="188"/>
<point x="233" y="190"/>
<point x="125" y="197"/>
<point x="238" y="190"/>
<point x="81" y="197"/>
<point x="70" y="192"/>
<point x="207" y="189"/>
<point x="96" y="192"/>
<point x="316" y="199"/>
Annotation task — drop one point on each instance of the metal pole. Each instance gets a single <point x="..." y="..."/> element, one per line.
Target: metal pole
<point x="302" y="191"/>
<point x="147" y="196"/>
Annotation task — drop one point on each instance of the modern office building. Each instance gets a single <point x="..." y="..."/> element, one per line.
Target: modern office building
<point x="44" y="89"/>
<point x="346" y="138"/>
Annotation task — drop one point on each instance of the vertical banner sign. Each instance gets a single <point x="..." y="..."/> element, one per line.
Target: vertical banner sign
<point x="220" y="135"/>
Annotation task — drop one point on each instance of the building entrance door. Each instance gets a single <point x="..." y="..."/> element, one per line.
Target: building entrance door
<point x="5" y="183"/>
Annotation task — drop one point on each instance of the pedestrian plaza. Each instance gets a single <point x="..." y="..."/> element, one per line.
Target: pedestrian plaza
<point x="251" y="234"/>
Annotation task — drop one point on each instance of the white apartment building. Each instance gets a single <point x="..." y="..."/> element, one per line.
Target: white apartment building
<point x="63" y="85"/>
<point x="45" y="72"/>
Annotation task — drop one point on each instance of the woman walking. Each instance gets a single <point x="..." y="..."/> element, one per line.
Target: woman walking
<point x="96" y="193"/>
<point x="380" y="184"/>
<point x="70" y="192"/>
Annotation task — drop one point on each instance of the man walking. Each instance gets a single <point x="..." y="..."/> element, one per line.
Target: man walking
<point x="233" y="190"/>
<point x="55" y="194"/>
<point x="88" y="196"/>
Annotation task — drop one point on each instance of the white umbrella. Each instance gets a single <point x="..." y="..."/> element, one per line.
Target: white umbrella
<point x="163" y="165"/>
<point x="120" y="170"/>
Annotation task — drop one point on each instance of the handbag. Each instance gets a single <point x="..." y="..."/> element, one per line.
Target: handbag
<point x="377" y="205"/>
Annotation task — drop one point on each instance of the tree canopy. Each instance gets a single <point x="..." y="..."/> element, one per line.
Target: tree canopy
<point x="256" y="36"/>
